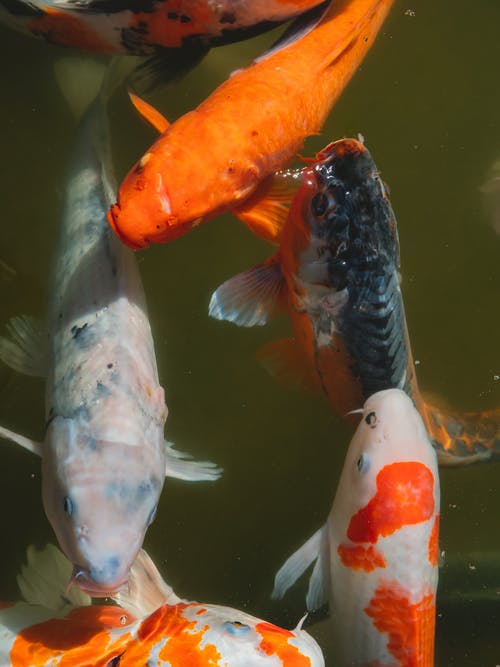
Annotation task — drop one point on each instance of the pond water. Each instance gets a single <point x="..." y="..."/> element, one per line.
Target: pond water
<point x="426" y="100"/>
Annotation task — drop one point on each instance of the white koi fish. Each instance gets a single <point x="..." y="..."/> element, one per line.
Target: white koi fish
<point x="152" y="627"/>
<point x="104" y="458"/>
<point x="377" y="555"/>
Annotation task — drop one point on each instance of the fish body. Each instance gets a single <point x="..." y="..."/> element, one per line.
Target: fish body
<point x="217" y="157"/>
<point x="146" y="28"/>
<point x="104" y="457"/>
<point x="377" y="555"/>
<point x="337" y="274"/>
<point x="174" y="634"/>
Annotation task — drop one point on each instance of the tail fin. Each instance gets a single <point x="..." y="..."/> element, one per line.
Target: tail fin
<point x="146" y="590"/>
<point x="44" y="580"/>
<point x="463" y="439"/>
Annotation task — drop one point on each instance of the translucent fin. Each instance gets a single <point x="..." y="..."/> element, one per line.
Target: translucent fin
<point x="181" y="466"/>
<point x="7" y="272"/>
<point x="31" y="445"/>
<point x="250" y="298"/>
<point x="295" y="566"/>
<point x="149" y="113"/>
<point x="44" y="580"/>
<point x="319" y="583"/>
<point x="266" y="211"/>
<point x="79" y="79"/>
<point x="146" y="591"/>
<point x="26" y="348"/>
<point x="287" y="364"/>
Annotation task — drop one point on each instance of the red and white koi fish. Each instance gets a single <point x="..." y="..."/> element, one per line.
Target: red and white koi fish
<point x="147" y="27"/>
<point x="377" y="555"/>
<point x="104" y="458"/>
<point x="336" y="273"/>
<point x="157" y="628"/>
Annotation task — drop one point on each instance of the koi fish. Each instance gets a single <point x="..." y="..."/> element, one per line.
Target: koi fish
<point x="147" y="28"/>
<point x="336" y="272"/>
<point x="104" y="458"/>
<point x="248" y="128"/>
<point x="162" y="629"/>
<point x="377" y="555"/>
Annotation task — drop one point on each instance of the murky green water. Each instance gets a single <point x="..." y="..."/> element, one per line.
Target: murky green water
<point x="427" y="101"/>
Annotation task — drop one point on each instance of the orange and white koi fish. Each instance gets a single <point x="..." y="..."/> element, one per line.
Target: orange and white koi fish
<point x="158" y="628"/>
<point x="377" y="555"/>
<point x="104" y="457"/>
<point x="336" y="272"/>
<point x="147" y="27"/>
<point x="218" y="157"/>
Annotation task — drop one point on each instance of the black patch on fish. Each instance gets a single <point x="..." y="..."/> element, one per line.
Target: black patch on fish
<point x="109" y="366"/>
<point x="371" y="419"/>
<point x="76" y="330"/>
<point x="228" y="17"/>
<point x="115" y="662"/>
<point x="18" y="8"/>
<point x="360" y="235"/>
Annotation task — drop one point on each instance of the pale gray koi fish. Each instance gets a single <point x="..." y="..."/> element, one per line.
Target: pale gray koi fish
<point x="104" y="458"/>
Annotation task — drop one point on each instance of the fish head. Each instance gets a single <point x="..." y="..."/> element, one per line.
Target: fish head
<point x="223" y="636"/>
<point x="100" y="499"/>
<point x="390" y="477"/>
<point x="342" y="218"/>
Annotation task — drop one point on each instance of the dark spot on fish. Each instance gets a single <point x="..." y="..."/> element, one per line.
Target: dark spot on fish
<point x="365" y="39"/>
<point x="228" y="17"/>
<point x="158" y="227"/>
<point x="173" y="16"/>
<point x="115" y="662"/>
<point x="371" y="419"/>
<point x="76" y="331"/>
<point x="185" y="18"/>
<point x="255" y="133"/>
<point x="109" y="366"/>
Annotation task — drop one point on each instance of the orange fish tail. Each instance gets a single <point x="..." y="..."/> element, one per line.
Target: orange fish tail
<point x="463" y="439"/>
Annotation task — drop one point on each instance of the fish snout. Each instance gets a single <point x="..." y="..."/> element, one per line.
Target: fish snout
<point x="135" y="242"/>
<point x="100" y="580"/>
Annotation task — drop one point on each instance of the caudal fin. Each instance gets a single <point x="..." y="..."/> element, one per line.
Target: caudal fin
<point x="463" y="439"/>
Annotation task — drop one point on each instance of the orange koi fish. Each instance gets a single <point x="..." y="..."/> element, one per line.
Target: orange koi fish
<point x="377" y="555"/>
<point x="163" y="630"/>
<point x="336" y="272"/>
<point x="147" y="27"/>
<point x="249" y="128"/>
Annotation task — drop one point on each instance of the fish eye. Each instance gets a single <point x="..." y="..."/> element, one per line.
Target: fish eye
<point x="68" y="506"/>
<point x="371" y="419"/>
<point x="236" y="628"/>
<point x="152" y="515"/>
<point x="363" y="463"/>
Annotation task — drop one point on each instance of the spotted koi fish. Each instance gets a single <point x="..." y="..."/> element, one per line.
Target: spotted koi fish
<point x="248" y="128"/>
<point x="147" y="27"/>
<point x="377" y="555"/>
<point x="104" y="458"/>
<point x="336" y="272"/>
<point x="162" y="630"/>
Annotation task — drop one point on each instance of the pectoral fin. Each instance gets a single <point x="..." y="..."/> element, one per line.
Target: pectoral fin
<point x="181" y="466"/>
<point x="26" y="347"/>
<point x="315" y="549"/>
<point x="250" y="297"/>
<point x="31" y="445"/>
<point x="149" y="113"/>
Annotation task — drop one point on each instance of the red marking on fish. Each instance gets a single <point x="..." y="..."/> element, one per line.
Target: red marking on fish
<point x="405" y="496"/>
<point x="433" y="551"/>
<point x="275" y="642"/>
<point x="361" y="558"/>
<point x="410" y="627"/>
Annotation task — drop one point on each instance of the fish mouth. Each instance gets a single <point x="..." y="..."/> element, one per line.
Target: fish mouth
<point x="80" y="577"/>
<point x="113" y="215"/>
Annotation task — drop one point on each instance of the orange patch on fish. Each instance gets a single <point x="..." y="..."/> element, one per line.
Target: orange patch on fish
<point x="410" y="627"/>
<point x="73" y="640"/>
<point x="433" y="552"/>
<point x="275" y="642"/>
<point x="183" y="641"/>
<point x="68" y="30"/>
<point x="361" y="558"/>
<point x="405" y="496"/>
